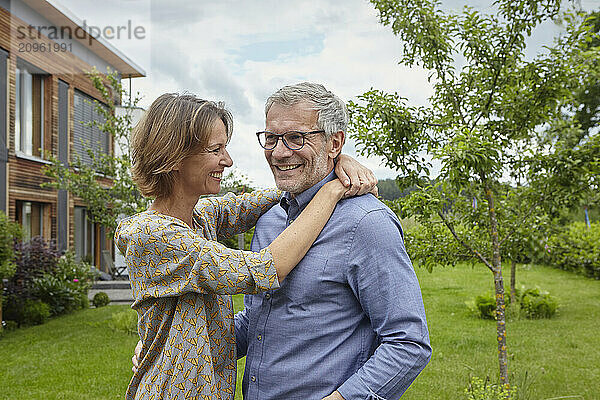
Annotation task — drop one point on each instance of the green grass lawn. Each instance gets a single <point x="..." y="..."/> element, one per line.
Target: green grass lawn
<point x="80" y="357"/>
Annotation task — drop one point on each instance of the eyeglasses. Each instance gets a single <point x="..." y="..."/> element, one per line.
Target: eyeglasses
<point x="293" y="140"/>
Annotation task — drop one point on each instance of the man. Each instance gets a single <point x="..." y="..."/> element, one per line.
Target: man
<point x="348" y="322"/>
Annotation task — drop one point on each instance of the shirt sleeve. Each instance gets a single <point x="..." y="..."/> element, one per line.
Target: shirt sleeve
<point x="166" y="258"/>
<point x="232" y="214"/>
<point x="382" y="277"/>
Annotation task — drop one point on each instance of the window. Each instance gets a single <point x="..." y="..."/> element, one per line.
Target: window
<point x="33" y="218"/>
<point x="85" y="236"/>
<point x="86" y="136"/>
<point x="29" y="112"/>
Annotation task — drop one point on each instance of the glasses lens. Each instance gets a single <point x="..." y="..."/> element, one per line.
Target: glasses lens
<point x="267" y="139"/>
<point x="294" y="140"/>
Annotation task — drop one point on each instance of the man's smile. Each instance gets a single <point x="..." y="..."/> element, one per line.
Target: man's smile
<point x="287" y="167"/>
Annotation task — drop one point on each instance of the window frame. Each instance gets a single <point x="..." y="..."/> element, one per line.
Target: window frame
<point x="30" y="113"/>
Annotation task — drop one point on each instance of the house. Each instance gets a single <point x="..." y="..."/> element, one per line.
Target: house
<point x="44" y="98"/>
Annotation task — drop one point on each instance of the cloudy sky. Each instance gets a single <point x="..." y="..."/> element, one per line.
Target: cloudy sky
<point x="240" y="51"/>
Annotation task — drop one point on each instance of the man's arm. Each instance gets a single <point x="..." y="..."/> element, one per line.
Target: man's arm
<point x="382" y="277"/>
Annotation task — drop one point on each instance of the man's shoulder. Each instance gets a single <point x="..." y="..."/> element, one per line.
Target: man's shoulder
<point x="356" y="208"/>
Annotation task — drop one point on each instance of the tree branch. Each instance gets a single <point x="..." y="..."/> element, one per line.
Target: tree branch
<point x="463" y="243"/>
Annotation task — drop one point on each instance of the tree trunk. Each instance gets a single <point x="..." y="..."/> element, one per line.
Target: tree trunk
<point x="498" y="286"/>
<point x="513" y="272"/>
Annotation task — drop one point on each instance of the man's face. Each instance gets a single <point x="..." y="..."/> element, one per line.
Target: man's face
<point x="297" y="170"/>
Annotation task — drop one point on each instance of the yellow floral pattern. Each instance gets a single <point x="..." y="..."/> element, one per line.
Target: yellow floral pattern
<point x="182" y="281"/>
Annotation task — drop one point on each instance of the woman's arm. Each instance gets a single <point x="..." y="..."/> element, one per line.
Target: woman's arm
<point x="292" y="244"/>
<point x="165" y="258"/>
<point x="231" y="214"/>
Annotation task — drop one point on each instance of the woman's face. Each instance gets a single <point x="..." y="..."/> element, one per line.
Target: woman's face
<point x="201" y="173"/>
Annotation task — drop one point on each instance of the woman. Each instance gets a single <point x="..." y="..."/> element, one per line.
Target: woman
<point x="181" y="277"/>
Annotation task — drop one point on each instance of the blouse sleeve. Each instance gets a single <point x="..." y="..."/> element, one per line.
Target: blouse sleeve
<point x="166" y="258"/>
<point x="232" y="214"/>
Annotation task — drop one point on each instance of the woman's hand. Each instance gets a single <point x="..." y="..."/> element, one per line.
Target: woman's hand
<point x="336" y="189"/>
<point x="357" y="178"/>
<point x="135" y="360"/>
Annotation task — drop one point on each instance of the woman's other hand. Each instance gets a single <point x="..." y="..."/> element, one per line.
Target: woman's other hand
<point x="135" y="360"/>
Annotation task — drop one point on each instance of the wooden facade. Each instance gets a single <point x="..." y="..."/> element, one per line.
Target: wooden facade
<point x="64" y="73"/>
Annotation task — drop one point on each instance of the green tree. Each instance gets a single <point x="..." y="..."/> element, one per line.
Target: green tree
<point x="483" y="126"/>
<point x="9" y="233"/>
<point x="105" y="203"/>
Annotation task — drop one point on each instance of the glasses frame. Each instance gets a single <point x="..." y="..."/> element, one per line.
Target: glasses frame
<point x="282" y="137"/>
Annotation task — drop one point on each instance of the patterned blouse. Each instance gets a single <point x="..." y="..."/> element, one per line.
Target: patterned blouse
<point x="182" y="280"/>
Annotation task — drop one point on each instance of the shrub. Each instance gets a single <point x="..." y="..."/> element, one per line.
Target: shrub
<point x="100" y="299"/>
<point x="10" y="325"/>
<point x="84" y="302"/>
<point x="63" y="297"/>
<point x="69" y="270"/>
<point x="531" y="304"/>
<point x="33" y="259"/>
<point x="478" y="389"/>
<point x="9" y="233"/>
<point x="26" y="312"/>
<point x="124" y="321"/>
<point x="535" y="305"/>
<point x="41" y="274"/>
<point x="577" y="249"/>
<point x="486" y="305"/>
<point x="35" y="312"/>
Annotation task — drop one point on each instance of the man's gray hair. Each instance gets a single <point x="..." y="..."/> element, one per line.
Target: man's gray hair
<point x="331" y="110"/>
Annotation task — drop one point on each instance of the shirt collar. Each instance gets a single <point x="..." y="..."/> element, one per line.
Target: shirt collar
<point x="305" y="197"/>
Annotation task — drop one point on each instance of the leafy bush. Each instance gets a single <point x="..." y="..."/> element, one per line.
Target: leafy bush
<point x="26" y="312"/>
<point x="577" y="249"/>
<point x="124" y="321"/>
<point x="35" y="312"/>
<point x="486" y="305"/>
<point x="100" y="299"/>
<point x="41" y="274"/>
<point x="10" y="325"/>
<point x="478" y="389"/>
<point x="69" y="270"/>
<point x="33" y="259"/>
<point x="9" y="233"/>
<point x="63" y="297"/>
<point x="535" y="304"/>
<point x="531" y="304"/>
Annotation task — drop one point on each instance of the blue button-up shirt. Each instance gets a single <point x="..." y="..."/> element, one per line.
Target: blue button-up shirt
<point x="349" y="317"/>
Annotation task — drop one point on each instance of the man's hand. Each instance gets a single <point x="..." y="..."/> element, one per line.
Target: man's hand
<point x="135" y="360"/>
<point x="356" y="177"/>
<point x="334" y="396"/>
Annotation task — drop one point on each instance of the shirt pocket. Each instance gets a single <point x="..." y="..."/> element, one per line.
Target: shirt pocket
<point x="302" y="285"/>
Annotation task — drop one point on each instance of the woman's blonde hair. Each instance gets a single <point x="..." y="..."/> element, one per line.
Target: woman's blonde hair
<point x="174" y="127"/>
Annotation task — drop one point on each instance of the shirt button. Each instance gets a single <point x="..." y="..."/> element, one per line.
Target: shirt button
<point x="291" y="220"/>
<point x="259" y="337"/>
<point x="253" y="378"/>
<point x="268" y="296"/>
